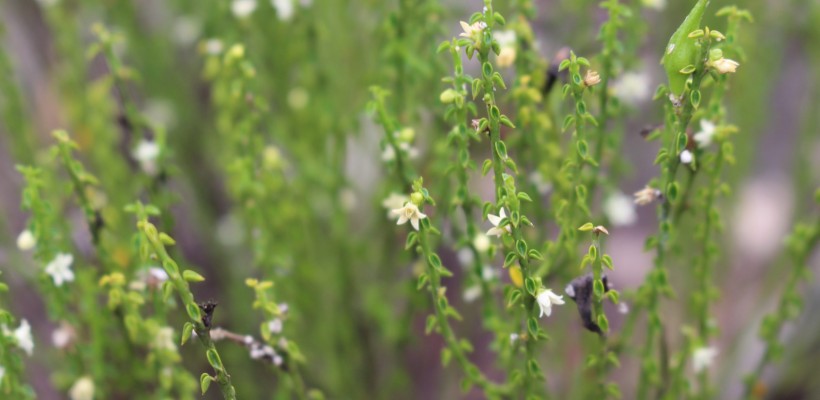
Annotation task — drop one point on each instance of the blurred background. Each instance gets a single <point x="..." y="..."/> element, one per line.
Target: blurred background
<point x="337" y="260"/>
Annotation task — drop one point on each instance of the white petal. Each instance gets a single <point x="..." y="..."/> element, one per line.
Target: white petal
<point x="402" y="219"/>
<point x="503" y="214"/>
<point x="494" y="219"/>
<point x="415" y="223"/>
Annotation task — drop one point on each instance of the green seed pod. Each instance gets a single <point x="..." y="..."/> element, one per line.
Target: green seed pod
<point x="682" y="50"/>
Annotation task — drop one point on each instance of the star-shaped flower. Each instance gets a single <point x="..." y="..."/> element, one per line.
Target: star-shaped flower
<point x="22" y="336"/>
<point x="545" y="299"/>
<point x="724" y="65"/>
<point x="495" y="220"/>
<point x="60" y="269"/>
<point x="410" y="212"/>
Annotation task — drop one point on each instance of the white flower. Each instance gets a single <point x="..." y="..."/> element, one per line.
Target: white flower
<point x="591" y="78"/>
<point x="146" y="154"/>
<point x="495" y="220"/>
<point x="488" y="273"/>
<point x="22" y="336"/>
<point x="60" y="269"/>
<point x="513" y="338"/>
<point x="63" y="336"/>
<point x="410" y="212"/>
<point x="164" y="339"/>
<point x="83" y="389"/>
<point x="546" y="298"/>
<point x="26" y="240"/>
<point x="619" y="209"/>
<point x="656" y="4"/>
<point x="465" y="256"/>
<point x="703" y="357"/>
<point x="284" y="9"/>
<point x="481" y="242"/>
<point x="707" y="132"/>
<point x="686" y="157"/>
<point x="388" y="154"/>
<point x="243" y="8"/>
<point x="471" y="294"/>
<point x="724" y="65"/>
<point x="186" y="30"/>
<point x="632" y="88"/>
<point x="157" y="275"/>
<point x="505" y="38"/>
<point x="646" y="195"/>
<point x="623" y="308"/>
<point x="275" y="326"/>
<point x="213" y="46"/>
<point x="472" y="31"/>
<point x="506" y="57"/>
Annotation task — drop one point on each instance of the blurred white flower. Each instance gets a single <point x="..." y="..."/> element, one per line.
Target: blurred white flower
<point x="213" y="46"/>
<point x="284" y="9"/>
<point x="243" y="8"/>
<point x="707" y="132"/>
<point x="506" y="57"/>
<point x="623" y="308"/>
<point x="465" y="257"/>
<point x="570" y="291"/>
<point x="686" y="157"/>
<point x="410" y="212"/>
<point x="646" y="195"/>
<point x="83" y="389"/>
<point x="146" y="154"/>
<point x="540" y="183"/>
<point x="164" y="339"/>
<point x="546" y="298"/>
<point x="275" y="326"/>
<point x="513" y="338"/>
<point x="619" y="209"/>
<point x="2" y="373"/>
<point x="60" y="269"/>
<point x="481" y="242"/>
<point x="471" y="294"/>
<point x="632" y="88"/>
<point x="655" y="4"/>
<point x="495" y="220"/>
<point x="703" y="357"/>
<point x="26" y="240"/>
<point x="394" y="200"/>
<point x="724" y="65"/>
<point x="22" y="336"/>
<point x="488" y="273"/>
<point x="63" y="336"/>
<point x="298" y="98"/>
<point x="186" y="30"/>
<point x="472" y="31"/>
<point x="505" y="38"/>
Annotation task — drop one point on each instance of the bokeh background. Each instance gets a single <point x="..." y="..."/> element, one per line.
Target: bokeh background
<point x="315" y="67"/>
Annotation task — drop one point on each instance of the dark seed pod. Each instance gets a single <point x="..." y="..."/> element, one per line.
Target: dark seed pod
<point x="580" y="291"/>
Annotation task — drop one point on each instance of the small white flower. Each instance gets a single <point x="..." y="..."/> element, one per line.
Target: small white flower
<point x="632" y="88"/>
<point x="488" y="273"/>
<point x="26" y="240"/>
<point x="146" y="154"/>
<point x="619" y="209"/>
<point x="63" y="336"/>
<point x="410" y="212"/>
<point x="495" y="220"/>
<point x="707" y="132"/>
<point x="60" y="269"/>
<point x="213" y="46"/>
<point x="158" y="275"/>
<point x="703" y="357"/>
<point x="545" y="299"/>
<point x="506" y="57"/>
<point x="513" y="338"/>
<point x="22" y="336"/>
<point x="654" y="4"/>
<point x="164" y="339"/>
<point x="275" y="326"/>
<point x="646" y="195"/>
<point x="243" y="8"/>
<point x="83" y="389"/>
<point x="481" y="242"/>
<point x="505" y="38"/>
<point x="623" y="308"/>
<point x="284" y="9"/>
<point x="465" y="256"/>
<point x="186" y="30"/>
<point x="472" y="31"/>
<point x="686" y="157"/>
<point x="724" y="65"/>
<point x="388" y="154"/>
<point x="471" y="294"/>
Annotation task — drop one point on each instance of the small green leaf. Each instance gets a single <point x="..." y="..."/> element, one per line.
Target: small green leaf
<point x="501" y="149"/>
<point x="608" y="261"/>
<point x="205" y="382"/>
<point x="521" y="247"/>
<point x="186" y="332"/>
<point x="532" y="326"/>
<point x="529" y="284"/>
<point x="422" y="281"/>
<point x="486" y="167"/>
<point x="214" y="360"/>
<point x="192" y="276"/>
<point x="586" y="227"/>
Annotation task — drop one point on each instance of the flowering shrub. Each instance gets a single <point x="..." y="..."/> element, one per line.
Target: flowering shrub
<point x="400" y="200"/>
